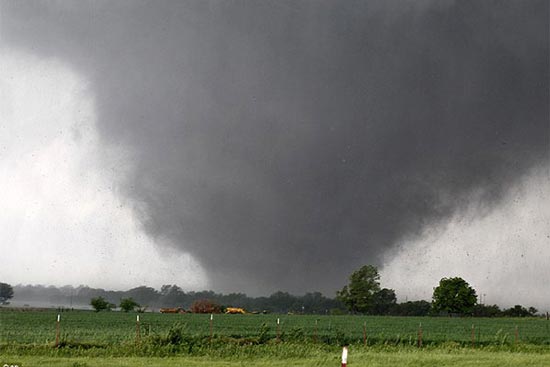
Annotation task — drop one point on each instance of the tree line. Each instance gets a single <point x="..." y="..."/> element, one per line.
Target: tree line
<point x="452" y="297"/>
<point x="362" y="295"/>
<point x="171" y="295"/>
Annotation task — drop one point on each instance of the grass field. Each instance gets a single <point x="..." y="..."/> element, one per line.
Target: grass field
<point x="27" y="338"/>
<point x="357" y="358"/>
<point x="38" y="327"/>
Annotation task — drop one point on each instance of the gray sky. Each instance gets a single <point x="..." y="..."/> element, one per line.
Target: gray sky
<point x="255" y="146"/>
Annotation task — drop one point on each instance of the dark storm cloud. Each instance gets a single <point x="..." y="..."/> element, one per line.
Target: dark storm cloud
<point x="285" y="143"/>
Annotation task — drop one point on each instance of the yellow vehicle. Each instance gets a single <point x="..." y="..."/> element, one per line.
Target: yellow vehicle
<point x="235" y="310"/>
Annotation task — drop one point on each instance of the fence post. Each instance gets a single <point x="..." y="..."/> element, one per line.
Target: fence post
<point x="365" y="333"/>
<point x="138" y="330"/>
<point x="278" y="330"/>
<point x="479" y="335"/>
<point x="211" y="327"/>
<point x="315" y="332"/>
<point x="516" y="339"/>
<point x="473" y="336"/>
<point x="57" y="330"/>
<point x="419" y="341"/>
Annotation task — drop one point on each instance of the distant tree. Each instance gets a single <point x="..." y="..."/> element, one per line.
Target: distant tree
<point x="169" y="288"/>
<point x="128" y="304"/>
<point x="6" y="293"/>
<point x="100" y="304"/>
<point x="316" y="303"/>
<point x="143" y="295"/>
<point x="487" y="310"/>
<point x="360" y="294"/>
<point x="141" y="309"/>
<point x="173" y="296"/>
<point x="454" y="296"/>
<point x="283" y="302"/>
<point x="205" y="306"/>
<point x="412" y="308"/>
<point x="520" y="311"/>
<point x="384" y="301"/>
<point x="236" y="300"/>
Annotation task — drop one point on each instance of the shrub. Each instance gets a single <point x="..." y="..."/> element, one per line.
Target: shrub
<point x="128" y="304"/>
<point x="205" y="306"/>
<point x="99" y="304"/>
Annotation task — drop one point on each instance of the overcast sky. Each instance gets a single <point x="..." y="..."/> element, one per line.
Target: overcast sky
<point x="276" y="145"/>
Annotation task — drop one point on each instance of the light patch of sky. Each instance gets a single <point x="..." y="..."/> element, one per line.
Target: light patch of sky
<point x="504" y="255"/>
<point x="60" y="220"/>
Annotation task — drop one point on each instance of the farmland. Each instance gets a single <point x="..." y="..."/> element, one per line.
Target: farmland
<point x="87" y="337"/>
<point x="38" y="327"/>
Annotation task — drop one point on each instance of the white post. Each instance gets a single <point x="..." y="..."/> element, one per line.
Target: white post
<point x="57" y="330"/>
<point x="138" y="330"/>
<point x="211" y="327"/>
<point x="344" y="356"/>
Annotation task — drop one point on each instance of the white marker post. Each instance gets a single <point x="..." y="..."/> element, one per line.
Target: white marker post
<point x="57" y="330"/>
<point x="278" y="330"/>
<point x="138" y="330"/>
<point x="344" y="356"/>
<point x="211" y="327"/>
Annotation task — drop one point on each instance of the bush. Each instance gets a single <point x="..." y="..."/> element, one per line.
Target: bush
<point x="128" y="304"/>
<point x="205" y="306"/>
<point x="100" y="304"/>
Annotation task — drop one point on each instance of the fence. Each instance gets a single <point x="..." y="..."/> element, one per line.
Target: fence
<point x="117" y="327"/>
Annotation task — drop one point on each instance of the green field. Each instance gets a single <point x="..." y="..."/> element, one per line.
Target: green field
<point x="38" y="327"/>
<point x="374" y="358"/>
<point x="109" y="339"/>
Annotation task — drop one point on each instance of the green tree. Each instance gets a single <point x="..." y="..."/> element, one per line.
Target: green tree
<point x="360" y="294"/>
<point x="454" y="296"/>
<point x="143" y="295"/>
<point x="128" y="304"/>
<point x="412" y="308"/>
<point x="6" y="293"/>
<point x="384" y="301"/>
<point x="532" y="311"/>
<point x="520" y="311"/>
<point x="481" y="310"/>
<point x="100" y="304"/>
<point x="283" y="302"/>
